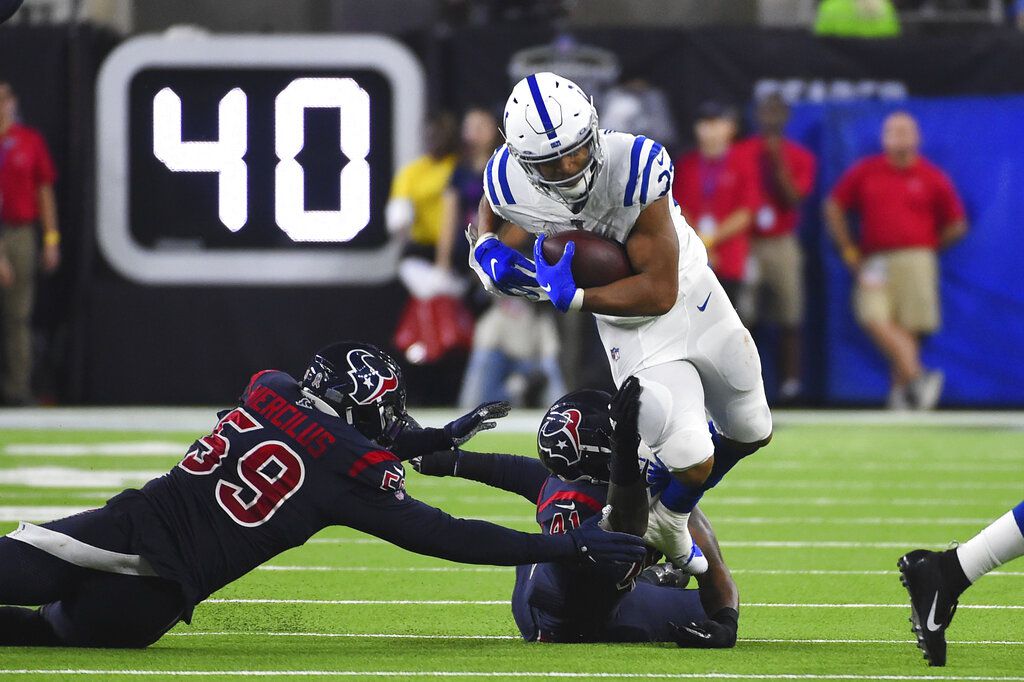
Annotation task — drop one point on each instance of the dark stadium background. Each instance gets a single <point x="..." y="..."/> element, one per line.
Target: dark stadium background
<point x="113" y="341"/>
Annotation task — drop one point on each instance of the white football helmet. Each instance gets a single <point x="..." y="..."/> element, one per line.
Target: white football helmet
<point x="546" y="117"/>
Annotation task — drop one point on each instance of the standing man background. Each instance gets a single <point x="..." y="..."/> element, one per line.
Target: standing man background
<point x="909" y="210"/>
<point x="784" y="171"/>
<point x="717" y="195"/>
<point x="26" y="199"/>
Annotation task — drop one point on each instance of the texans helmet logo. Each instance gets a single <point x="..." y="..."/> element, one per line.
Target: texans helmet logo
<point x="371" y="376"/>
<point x="560" y="435"/>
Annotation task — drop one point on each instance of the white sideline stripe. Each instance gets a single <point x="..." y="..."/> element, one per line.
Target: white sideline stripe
<point x="98" y="495"/>
<point x="201" y="419"/>
<point x="394" y="635"/>
<point x="67" y="477"/>
<point x="506" y="602"/>
<point x="144" y="448"/>
<point x="741" y="544"/>
<point x="504" y="569"/>
<point x="34" y="513"/>
<point x="898" y="487"/>
<point x="514" y="673"/>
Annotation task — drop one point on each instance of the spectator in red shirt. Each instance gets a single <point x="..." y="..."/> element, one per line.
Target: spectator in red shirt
<point x="26" y="198"/>
<point x="716" y="192"/>
<point x="908" y="210"/>
<point x="784" y="173"/>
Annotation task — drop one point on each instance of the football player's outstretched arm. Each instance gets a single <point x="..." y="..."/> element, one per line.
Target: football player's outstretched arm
<point x="653" y="250"/>
<point x="521" y="475"/>
<point x="423" y="529"/>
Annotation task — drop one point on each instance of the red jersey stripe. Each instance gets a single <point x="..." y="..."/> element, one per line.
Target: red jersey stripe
<point x="369" y="459"/>
<point x="571" y="495"/>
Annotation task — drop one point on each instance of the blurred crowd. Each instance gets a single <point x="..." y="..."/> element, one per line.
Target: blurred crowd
<point x="745" y="197"/>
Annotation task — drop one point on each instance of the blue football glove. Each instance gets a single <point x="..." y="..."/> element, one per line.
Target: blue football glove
<point x="595" y="544"/>
<point x="508" y="271"/>
<point x="556" y="280"/>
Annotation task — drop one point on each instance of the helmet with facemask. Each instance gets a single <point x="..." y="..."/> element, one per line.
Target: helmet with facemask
<point x="549" y="119"/>
<point x="361" y="384"/>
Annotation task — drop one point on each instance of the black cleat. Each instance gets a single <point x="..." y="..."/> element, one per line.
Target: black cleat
<point x="932" y="602"/>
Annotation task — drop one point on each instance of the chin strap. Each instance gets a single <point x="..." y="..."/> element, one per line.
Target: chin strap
<point x="321" y="404"/>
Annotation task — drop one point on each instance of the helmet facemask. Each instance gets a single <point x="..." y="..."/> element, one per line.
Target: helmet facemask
<point x="572" y="191"/>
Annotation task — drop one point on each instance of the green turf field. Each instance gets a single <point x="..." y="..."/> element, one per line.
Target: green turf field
<point x="811" y="526"/>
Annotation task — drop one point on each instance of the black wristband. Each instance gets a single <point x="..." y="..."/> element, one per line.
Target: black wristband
<point x="727" y="616"/>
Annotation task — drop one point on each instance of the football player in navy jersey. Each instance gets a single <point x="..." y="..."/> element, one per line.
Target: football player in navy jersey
<point x="589" y="469"/>
<point x="291" y="459"/>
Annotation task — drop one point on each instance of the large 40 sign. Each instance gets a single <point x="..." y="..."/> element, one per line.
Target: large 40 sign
<point x="253" y="160"/>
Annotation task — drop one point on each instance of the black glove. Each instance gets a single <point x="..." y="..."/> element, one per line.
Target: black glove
<point x="481" y="419"/>
<point x="441" y="463"/>
<point x="602" y="546"/>
<point x="624" y="411"/>
<point x="717" y="632"/>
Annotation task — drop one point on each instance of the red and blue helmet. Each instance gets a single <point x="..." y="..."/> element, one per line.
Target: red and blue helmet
<point x="363" y="384"/>
<point x="574" y="439"/>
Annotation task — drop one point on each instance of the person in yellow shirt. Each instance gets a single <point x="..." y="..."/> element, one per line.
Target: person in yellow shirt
<point x="415" y="207"/>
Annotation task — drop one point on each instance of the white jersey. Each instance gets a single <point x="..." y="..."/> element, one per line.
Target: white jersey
<point x="637" y="171"/>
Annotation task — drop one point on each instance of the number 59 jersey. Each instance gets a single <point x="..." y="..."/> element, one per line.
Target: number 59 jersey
<point x="273" y="472"/>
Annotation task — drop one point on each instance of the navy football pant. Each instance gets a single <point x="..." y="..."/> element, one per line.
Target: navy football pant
<point x="81" y="606"/>
<point x="644" y="614"/>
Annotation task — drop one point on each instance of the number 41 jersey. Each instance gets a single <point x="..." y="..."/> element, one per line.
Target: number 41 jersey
<point x="273" y="472"/>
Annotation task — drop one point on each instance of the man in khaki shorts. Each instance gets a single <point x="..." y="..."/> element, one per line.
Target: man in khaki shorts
<point x="909" y="210"/>
<point x="26" y="198"/>
<point x="785" y="172"/>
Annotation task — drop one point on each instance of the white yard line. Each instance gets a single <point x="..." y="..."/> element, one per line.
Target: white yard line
<point x="505" y="602"/>
<point x="67" y="477"/>
<point x="530" y="674"/>
<point x="740" y="544"/>
<point x="393" y="635"/>
<point x="504" y="569"/>
<point x="200" y="419"/>
<point x="118" y="449"/>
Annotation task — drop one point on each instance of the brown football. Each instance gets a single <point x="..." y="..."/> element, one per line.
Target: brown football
<point x="597" y="262"/>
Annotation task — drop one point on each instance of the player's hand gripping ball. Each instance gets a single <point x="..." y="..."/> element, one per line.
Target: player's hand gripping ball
<point x="598" y="261"/>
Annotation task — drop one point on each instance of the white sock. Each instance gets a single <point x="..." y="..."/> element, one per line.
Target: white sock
<point x="994" y="546"/>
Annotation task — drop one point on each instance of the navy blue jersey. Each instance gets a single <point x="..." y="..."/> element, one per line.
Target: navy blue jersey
<point x="273" y="472"/>
<point x="562" y="505"/>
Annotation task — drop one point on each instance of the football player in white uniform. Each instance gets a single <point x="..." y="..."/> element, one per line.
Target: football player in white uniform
<point x="670" y="324"/>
